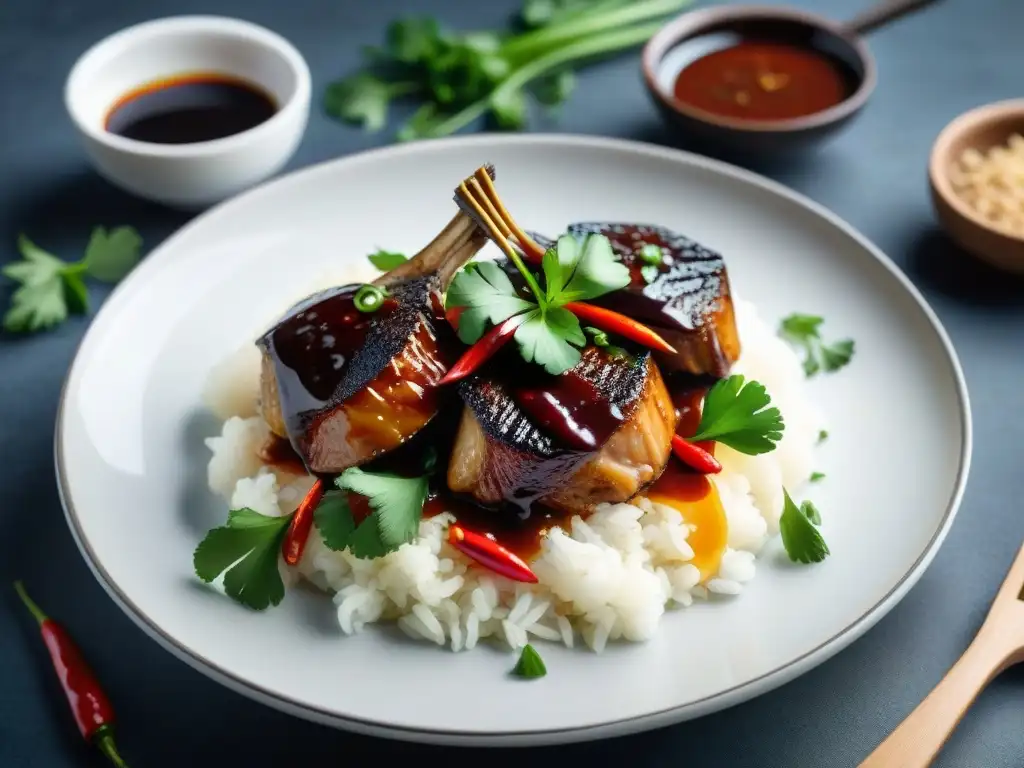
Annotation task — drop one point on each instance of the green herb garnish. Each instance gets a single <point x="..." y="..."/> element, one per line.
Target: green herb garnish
<point x="736" y="413"/>
<point x="459" y="78"/>
<point x="246" y="551"/>
<point x="649" y="273"/>
<point x="396" y="504"/>
<point x="800" y="537"/>
<point x="817" y="476"/>
<point x="804" y="331"/>
<point x="822" y="436"/>
<point x="51" y="287"/>
<point x="368" y="298"/>
<point x="385" y="261"/>
<point x="550" y="335"/>
<point x="811" y="512"/>
<point x="651" y="254"/>
<point x="530" y="665"/>
<point x="599" y="337"/>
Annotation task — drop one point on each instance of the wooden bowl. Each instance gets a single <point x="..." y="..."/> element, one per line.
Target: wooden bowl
<point x="980" y="129"/>
<point x="732" y="23"/>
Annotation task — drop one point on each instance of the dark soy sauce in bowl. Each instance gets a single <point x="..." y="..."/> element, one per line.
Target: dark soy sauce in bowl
<point x="188" y="109"/>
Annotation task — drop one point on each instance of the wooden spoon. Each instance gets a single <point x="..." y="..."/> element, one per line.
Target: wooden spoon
<point x="999" y="644"/>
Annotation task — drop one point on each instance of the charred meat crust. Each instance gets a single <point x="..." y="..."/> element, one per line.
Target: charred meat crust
<point x="619" y="381"/>
<point x="689" y="301"/>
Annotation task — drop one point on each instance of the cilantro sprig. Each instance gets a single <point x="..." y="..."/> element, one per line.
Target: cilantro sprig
<point x="396" y="505"/>
<point x="737" y="413"/>
<point x="530" y="665"/>
<point x="804" y="332"/>
<point x="385" y="261"/>
<point x="460" y="77"/>
<point x="245" y="550"/>
<point x="51" y="288"/>
<point x="550" y="335"/>
<point x="800" y="535"/>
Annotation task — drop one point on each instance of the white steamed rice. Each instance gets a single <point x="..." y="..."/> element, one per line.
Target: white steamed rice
<point x="610" y="577"/>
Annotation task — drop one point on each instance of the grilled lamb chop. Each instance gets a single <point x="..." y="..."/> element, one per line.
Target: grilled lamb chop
<point x="689" y="303"/>
<point x="597" y="433"/>
<point x="346" y="386"/>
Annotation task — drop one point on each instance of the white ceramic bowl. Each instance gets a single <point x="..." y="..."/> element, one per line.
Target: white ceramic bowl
<point x="203" y="173"/>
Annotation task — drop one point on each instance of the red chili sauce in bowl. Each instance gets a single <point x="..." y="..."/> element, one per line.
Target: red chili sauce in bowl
<point x="761" y="80"/>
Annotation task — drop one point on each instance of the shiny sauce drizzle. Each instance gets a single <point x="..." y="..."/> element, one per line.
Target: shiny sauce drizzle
<point x="572" y="410"/>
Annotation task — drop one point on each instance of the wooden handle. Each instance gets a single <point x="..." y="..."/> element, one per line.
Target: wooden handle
<point x="916" y="742"/>
<point x="883" y="13"/>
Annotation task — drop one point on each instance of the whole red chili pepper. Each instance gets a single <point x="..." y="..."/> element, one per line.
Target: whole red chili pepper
<point x="694" y="456"/>
<point x="90" y="706"/>
<point x="614" y="322"/>
<point x="484" y="349"/>
<point x="294" y="543"/>
<point x="490" y="554"/>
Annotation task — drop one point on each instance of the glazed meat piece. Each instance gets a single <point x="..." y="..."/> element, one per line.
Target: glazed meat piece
<point x="346" y="386"/>
<point x="599" y="433"/>
<point x="688" y="303"/>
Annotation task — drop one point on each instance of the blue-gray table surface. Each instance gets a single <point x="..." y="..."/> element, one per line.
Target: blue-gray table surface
<point x="947" y="59"/>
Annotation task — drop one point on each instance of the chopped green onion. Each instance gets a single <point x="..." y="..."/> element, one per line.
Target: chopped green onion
<point x="651" y="254"/>
<point x="600" y="337"/>
<point x="368" y="298"/>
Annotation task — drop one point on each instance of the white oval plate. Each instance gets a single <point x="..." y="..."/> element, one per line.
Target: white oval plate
<point x="131" y="462"/>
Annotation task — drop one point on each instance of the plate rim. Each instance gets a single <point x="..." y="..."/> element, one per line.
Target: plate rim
<point x="706" y="705"/>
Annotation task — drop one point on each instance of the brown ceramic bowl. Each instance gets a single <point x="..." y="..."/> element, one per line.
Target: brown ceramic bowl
<point x="981" y="129"/>
<point x="699" y="32"/>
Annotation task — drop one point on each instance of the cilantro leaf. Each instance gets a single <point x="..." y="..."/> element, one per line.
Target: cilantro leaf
<point x="577" y="270"/>
<point x="51" y="288"/>
<point x="411" y="40"/>
<point x="544" y="338"/>
<point x="363" y="99"/>
<point x="333" y="519"/>
<point x="552" y="91"/>
<point x="246" y="551"/>
<point x="38" y="265"/>
<point x="817" y="476"/>
<point x="110" y="256"/>
<point x="509" y="108"/>
<point x="811" y="512"/>
<point x="530" y="665"/>
<point x="804" y="331"/>
<point x="835" y="356"/>
<point x="385" y="261"/>
<point x="736" y="413"/>
<point x="802" y="540"/>
<point x="397" y="504"/>
<point x="488" y="294"/>
<point x="37" y="306"/>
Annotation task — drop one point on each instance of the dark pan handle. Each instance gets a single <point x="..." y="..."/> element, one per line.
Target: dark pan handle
<point x="882" y="14"/>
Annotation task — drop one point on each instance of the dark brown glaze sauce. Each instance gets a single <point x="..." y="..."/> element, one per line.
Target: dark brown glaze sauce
<point x="279" y="453"/>
<point x="572" y="410"/>
<point x="312" y="346"/>
<point x="352" y="385"/>
<point x="518" y="535"/>
<point x="190" y="108"/>
<point x="546" y="427"/>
